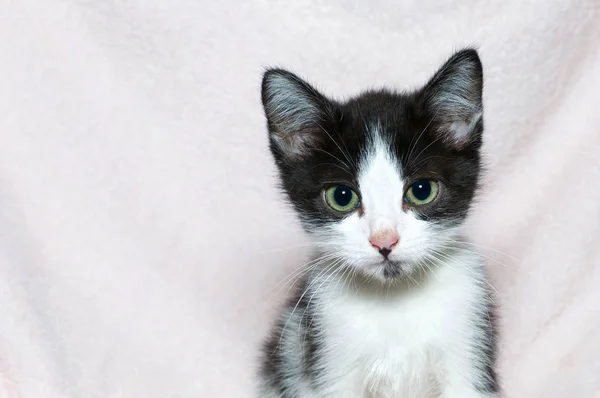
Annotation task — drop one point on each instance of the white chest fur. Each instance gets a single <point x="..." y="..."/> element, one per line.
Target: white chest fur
<point x="397" y="341"/>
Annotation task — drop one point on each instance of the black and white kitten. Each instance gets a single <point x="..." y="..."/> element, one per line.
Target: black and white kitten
<point x="395" y="303"/>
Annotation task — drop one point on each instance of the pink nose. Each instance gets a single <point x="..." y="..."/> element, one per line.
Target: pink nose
<point x="386" y="239"/>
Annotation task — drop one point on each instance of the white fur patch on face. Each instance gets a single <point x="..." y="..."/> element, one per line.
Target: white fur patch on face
<point x="382" y="186"/>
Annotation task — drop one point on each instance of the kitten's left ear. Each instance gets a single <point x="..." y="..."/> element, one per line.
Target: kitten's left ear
<point x="453" y="98"/>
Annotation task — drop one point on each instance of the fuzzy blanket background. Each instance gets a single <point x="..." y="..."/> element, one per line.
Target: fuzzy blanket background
<point x="143" y="243"/>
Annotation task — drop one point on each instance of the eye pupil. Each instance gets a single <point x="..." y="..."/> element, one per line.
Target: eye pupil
<point x="421" y="189"/>
<point x="342" y="195"/>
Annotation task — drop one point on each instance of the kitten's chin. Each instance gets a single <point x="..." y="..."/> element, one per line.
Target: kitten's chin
<point x="392" y="270"/>
<point x="389" y="271"/>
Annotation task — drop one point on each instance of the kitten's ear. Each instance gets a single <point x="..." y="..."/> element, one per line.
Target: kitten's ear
<point x="453" y="98"/>
<point x="296" y="113"/>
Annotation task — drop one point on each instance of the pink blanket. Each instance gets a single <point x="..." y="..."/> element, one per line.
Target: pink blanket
<point x="143" y="243"/>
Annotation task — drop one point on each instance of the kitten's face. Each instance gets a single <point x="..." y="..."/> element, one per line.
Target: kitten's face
<point x="383" y="181"/>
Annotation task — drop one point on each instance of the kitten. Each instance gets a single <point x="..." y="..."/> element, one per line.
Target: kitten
<point x="395" y="304"/>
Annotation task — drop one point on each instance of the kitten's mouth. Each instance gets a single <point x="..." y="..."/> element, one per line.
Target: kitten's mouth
<point x="392" y="269"/>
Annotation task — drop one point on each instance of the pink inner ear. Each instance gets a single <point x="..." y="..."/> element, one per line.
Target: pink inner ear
<point x="459" y="131"/>
<point x="296" y="143"/>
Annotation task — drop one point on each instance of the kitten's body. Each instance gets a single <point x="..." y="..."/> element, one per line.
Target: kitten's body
<point x="397" y="340"/>
<point x="408" y="317"/>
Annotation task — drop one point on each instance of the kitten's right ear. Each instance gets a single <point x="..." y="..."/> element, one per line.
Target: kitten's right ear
<point x="297" y="114"/>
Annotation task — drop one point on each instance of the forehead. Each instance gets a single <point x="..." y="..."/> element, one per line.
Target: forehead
<point x="373" y="123"/>
<point x="380" y="178"/>
<point x="379" y="167"/>
<point x="386" y="122"/>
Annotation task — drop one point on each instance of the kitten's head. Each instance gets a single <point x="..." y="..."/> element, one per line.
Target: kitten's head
<point x="384" y="180"/>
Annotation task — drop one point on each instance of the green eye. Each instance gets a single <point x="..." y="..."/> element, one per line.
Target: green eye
<point x="341" y="198"/>
<point x="422" y="192"/>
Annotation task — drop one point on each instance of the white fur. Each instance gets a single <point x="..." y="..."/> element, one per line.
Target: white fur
<point x="460" y="130"/>
<point x="404" y="339"/>
<point x="401" y="341"/>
